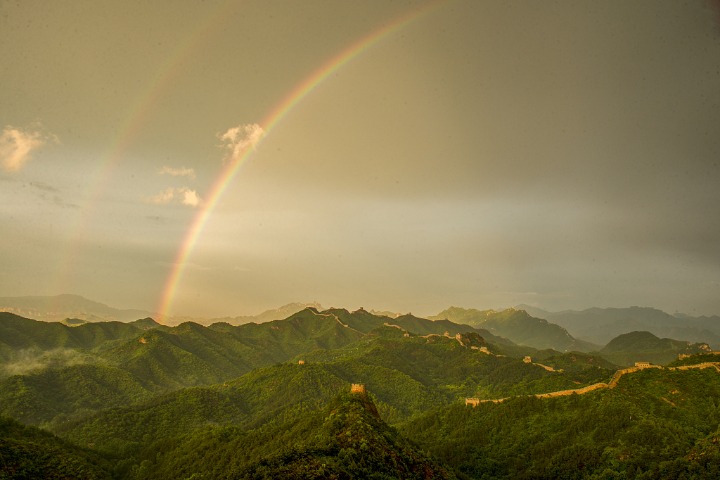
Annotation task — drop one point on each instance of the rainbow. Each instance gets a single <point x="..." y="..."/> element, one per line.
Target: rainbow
<point x="293" y="98"/>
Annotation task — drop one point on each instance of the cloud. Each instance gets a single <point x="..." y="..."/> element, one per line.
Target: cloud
<point x="190" y="197"/>
<point x="17" y="145"/>
<point x="164" y="197"/>
<point x="177" y="172"/>
<point x="237" y="140"/>
<point x="182" y="195"/>
<point x="32" y="360"/>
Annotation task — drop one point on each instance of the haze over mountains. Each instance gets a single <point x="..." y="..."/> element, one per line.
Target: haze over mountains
<point x="600" y="325"/>
<point x="59" y="307"/>
<point x="67" y="306"/>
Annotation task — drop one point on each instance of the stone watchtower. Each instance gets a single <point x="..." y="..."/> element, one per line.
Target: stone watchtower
<point x="357" y="388"/>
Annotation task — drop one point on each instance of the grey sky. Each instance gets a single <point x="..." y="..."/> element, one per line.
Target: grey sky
<point x="490" y="153"/>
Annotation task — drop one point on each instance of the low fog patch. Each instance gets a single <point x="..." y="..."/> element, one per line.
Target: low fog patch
<point x="32" y="360"/>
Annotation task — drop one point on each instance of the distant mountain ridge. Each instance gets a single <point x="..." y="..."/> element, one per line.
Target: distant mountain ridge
<point x="268" y="315"/>
<point x="76" y="309"/>
<point x="59" y="307"/>
<point x="600" y="325"/>
<point x="584" y="330"/>
<point x="519" y="327"/>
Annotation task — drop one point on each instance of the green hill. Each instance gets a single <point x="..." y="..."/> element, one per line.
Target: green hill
<point x="23" y="334"/>
<point x="165" y="358"/>
<point x="409" y="373"/>
<point x="572" y="361"/>
<point x="268" y="315"/>
<point x="656" y="424"/>
<point x="634" y="347"/>
<point x="303" y="331"/>
<point x="351" y="442"/>
<point x="346" y="438"/>
<point x="68" y="392"/>
<point x="447" y="369"/>
<point x="273" y="422"/>
<point x="407" y="376"/>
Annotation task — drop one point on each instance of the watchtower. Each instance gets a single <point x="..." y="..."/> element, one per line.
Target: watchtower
<point x="357" y="388"/>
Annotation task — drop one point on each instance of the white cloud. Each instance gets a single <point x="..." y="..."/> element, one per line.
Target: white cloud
<point x="239" y="139"/>
<point x="190" y="197"/>
<point x="177" y="172"/>
<point x="17" y="145"/>
<point x="183" y="195"/>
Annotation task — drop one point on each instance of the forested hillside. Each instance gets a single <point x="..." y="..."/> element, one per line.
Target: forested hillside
<point x="271" y="400"/>
<point x="345" y="438"/>
<point x="28" y="452"/>
<point x="656" y="424"/>
<point x="628" y="348"/>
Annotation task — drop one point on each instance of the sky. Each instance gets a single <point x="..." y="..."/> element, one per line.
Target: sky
<point x="222" y="157"/>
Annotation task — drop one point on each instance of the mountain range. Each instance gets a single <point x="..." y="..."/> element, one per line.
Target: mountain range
<point x="272" y="400"/>
<point x="585" y="330"/>
<point x="600" y="325"/>
<point x="60" y="307"/>
<point x="75" y="310"/>
<point x="518" y="326"/>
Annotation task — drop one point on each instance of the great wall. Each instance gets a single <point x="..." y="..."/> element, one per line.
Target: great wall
<point x="596" y="386"/>
<point x="359" y="388"/>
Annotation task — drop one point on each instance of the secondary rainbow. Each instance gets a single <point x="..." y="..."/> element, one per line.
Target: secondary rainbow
<point x="138" y="115"/>
<point x="296" y="95"/>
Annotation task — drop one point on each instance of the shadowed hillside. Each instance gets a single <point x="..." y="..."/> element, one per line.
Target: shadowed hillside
<point x="28" y="452"/>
